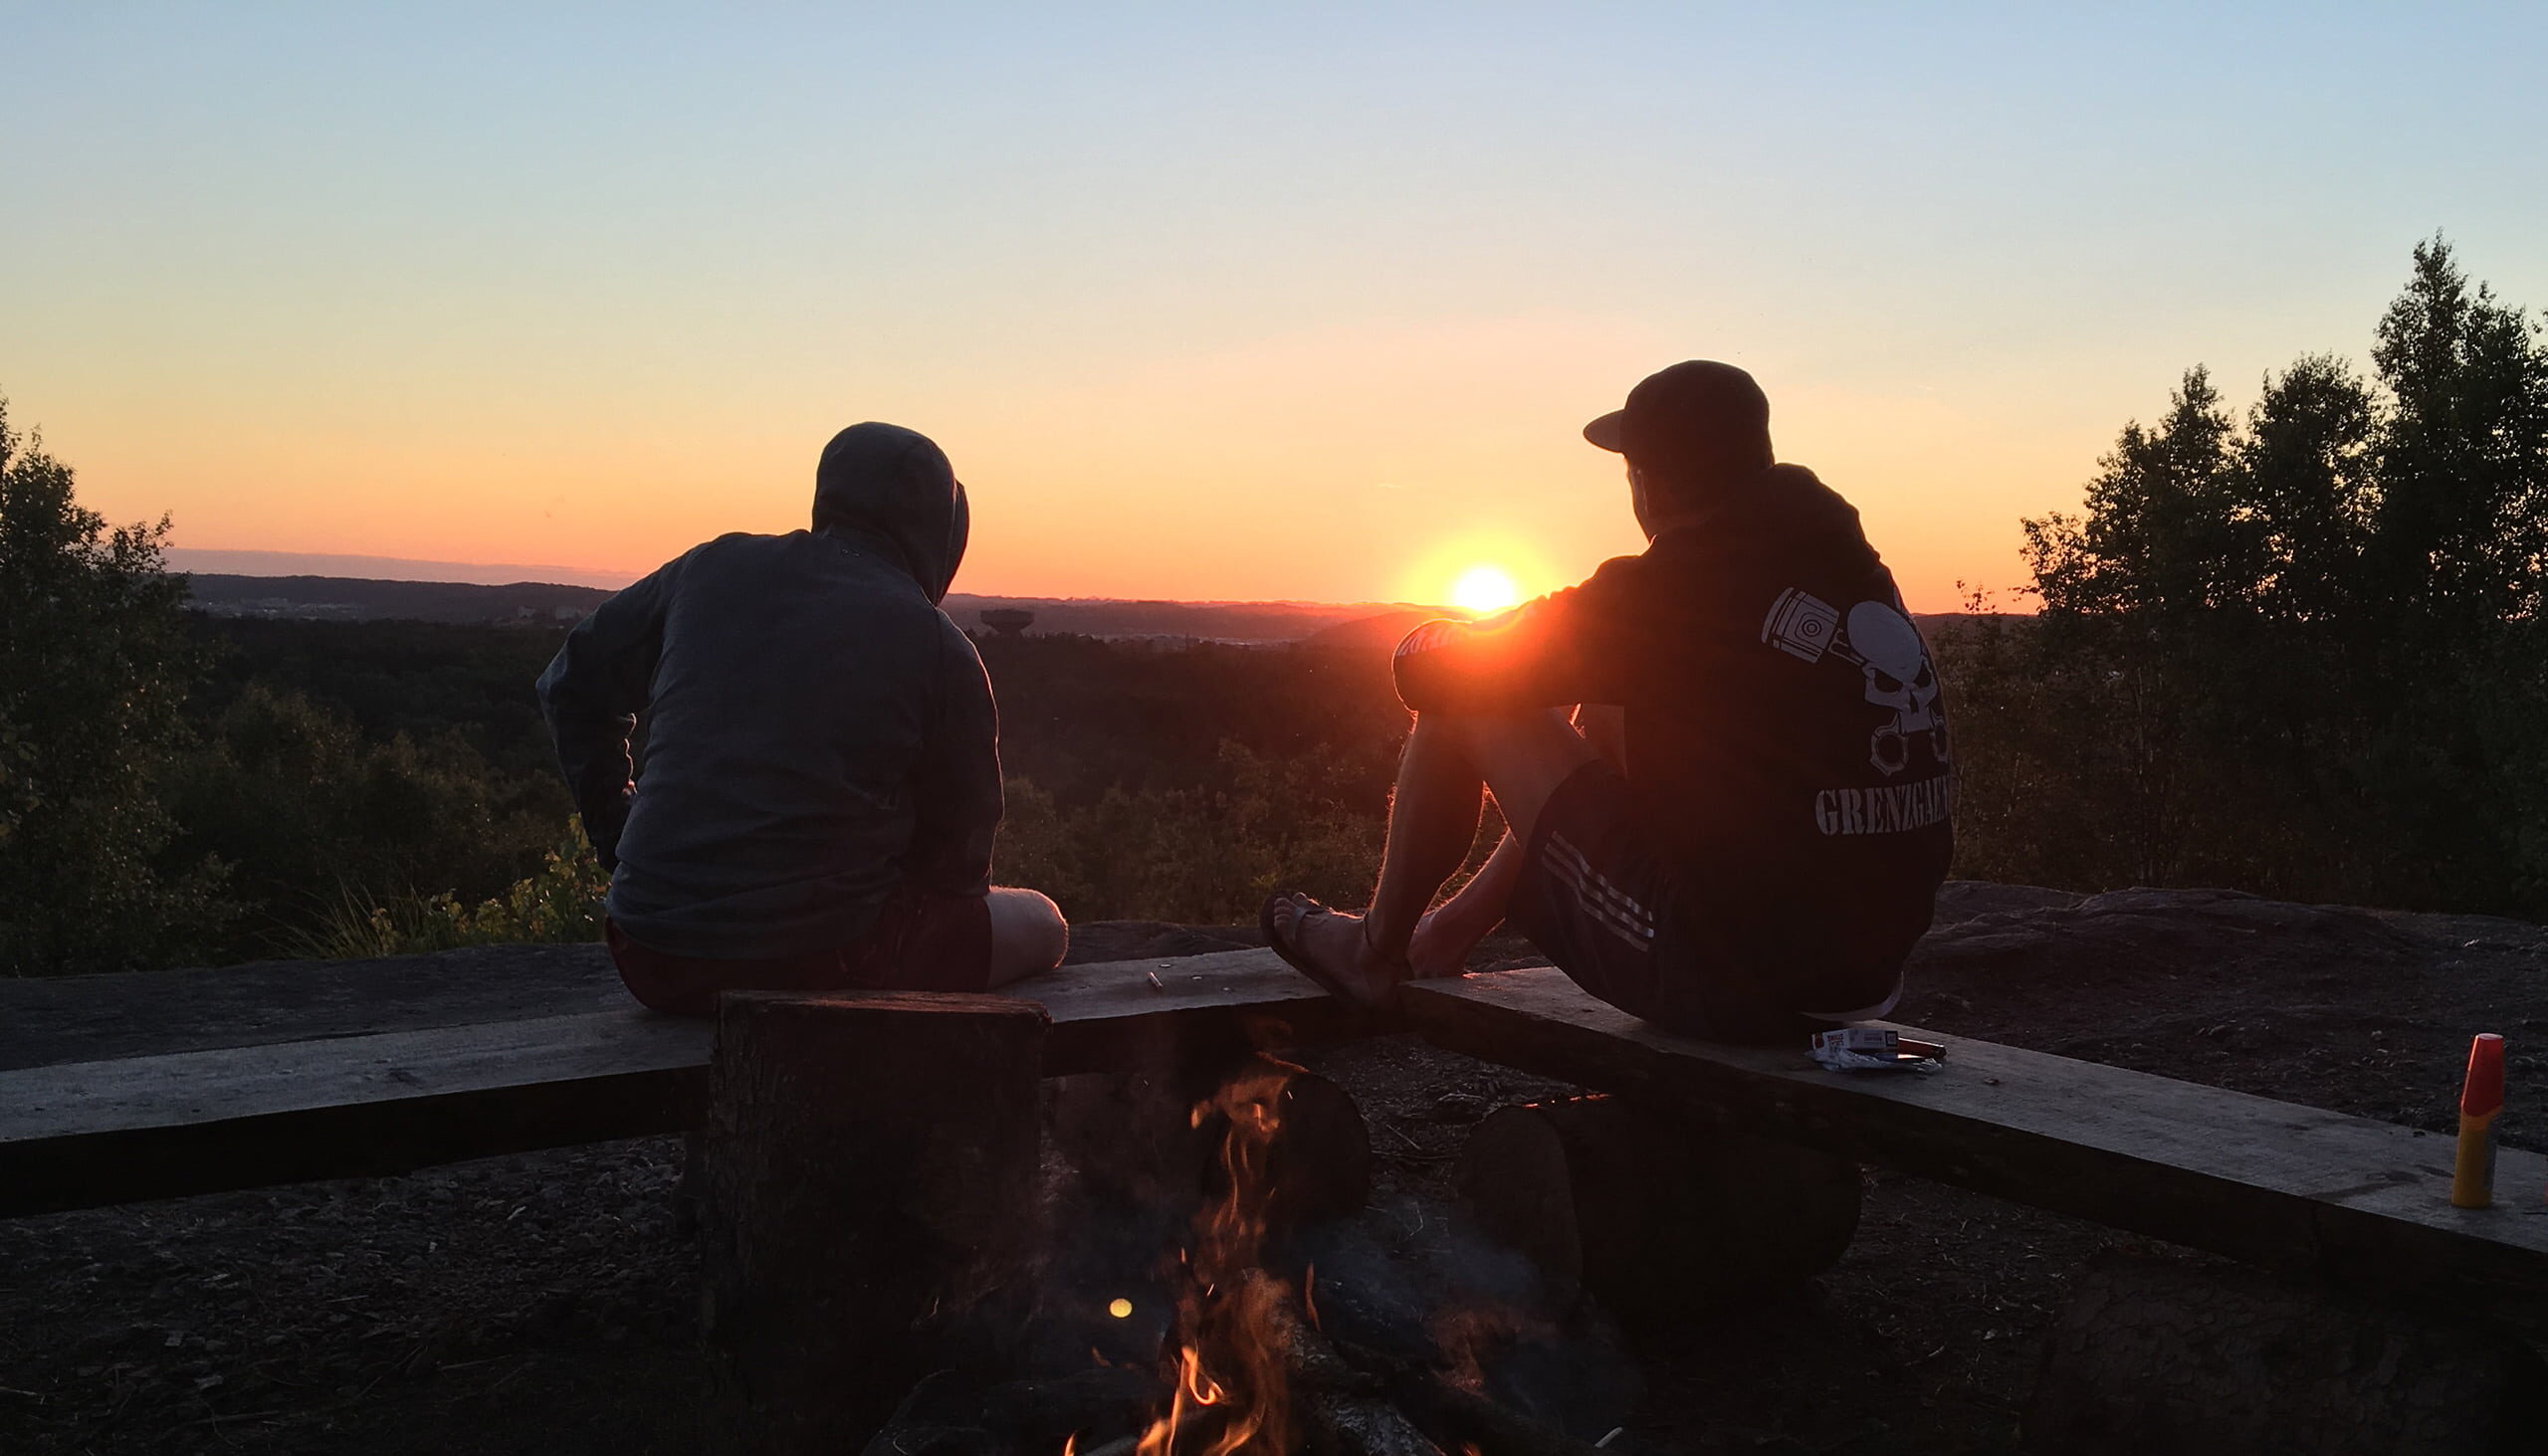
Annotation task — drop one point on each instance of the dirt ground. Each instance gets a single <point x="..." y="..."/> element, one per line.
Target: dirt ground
<point x="545" y="1303"/>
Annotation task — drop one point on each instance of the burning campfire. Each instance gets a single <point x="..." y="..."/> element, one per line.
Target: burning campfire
<point x="916" y="1241"/>
<point x="1247" y="1368"/>
<point x="1231" y="1392"/>
<point x="1265" y="1321"/>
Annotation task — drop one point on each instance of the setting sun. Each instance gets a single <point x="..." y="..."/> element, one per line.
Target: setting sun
<point x="1484" y="589"/>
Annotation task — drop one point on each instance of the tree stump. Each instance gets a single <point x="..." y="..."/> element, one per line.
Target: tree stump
<point x="2156" y="1356"/>
<point x="871" y="1182"/>
<point x="1654" y="1217"/>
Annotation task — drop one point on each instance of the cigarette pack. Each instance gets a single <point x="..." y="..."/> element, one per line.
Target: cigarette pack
<point x="1874" y="1049"/>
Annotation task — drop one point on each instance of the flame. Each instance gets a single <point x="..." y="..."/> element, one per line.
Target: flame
<point x="1231" y="1393"/>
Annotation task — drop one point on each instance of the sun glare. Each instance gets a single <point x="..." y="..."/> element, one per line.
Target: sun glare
<point x="1484" y="589"/>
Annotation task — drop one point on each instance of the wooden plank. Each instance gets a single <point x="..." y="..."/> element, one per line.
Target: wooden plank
<point x="83" y="1133"/>
<point x="2271" y="1182"/>
<point x="1112" y="1015"/>
<point x="46" y="1020"/>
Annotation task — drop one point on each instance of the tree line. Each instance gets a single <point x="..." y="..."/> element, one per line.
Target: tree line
<point x="2296" y="648"/>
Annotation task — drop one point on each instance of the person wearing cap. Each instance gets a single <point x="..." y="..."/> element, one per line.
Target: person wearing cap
<point x="1722" y="764"/>
<point x="821" y="785"/>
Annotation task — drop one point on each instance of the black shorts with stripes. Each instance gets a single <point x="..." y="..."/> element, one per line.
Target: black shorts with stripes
<point x="1601" y="902"/>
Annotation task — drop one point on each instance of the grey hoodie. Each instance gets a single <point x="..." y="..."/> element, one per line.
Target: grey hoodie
<point x="818" y="731"/>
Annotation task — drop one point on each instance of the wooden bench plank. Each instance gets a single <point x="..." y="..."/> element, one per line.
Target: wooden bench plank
<point x="115" y="1130"/>
<point x="46" y="1020"/>
<point x="2267" y="1182"/>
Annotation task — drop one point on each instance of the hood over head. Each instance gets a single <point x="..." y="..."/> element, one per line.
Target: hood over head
<point x="893" y="486"/>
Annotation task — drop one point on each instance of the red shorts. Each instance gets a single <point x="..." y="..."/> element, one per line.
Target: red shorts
<point x="920" y="942"/>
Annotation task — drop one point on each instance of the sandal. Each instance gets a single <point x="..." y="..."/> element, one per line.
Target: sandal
<point x="1294" y="957"/>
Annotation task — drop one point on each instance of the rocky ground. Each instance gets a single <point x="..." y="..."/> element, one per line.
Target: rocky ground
<point x="545" y="1302"/>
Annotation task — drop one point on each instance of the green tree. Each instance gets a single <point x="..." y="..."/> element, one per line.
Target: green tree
<point x="95" y="664"/>
<point x="2162" y="535"/>
<point x="2301" y="654"/>
<point x="2303" y="478"/>
<point x="313" y="814"/>
<point x="2461" y="528"/>
<point x="1207" y="854"/>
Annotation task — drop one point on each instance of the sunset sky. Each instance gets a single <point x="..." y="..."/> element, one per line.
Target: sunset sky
<point x="1205" y="302"/>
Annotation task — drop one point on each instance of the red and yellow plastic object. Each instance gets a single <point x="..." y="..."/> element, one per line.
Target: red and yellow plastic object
<point x="2481" y="1099"/>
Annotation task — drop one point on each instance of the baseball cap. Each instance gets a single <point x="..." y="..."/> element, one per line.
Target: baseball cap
<point x="1697" y="418"/>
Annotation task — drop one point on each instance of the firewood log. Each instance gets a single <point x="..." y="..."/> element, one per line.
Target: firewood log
<point x="1457" y="1418"/>
<point x="1454" y="1417"/>
<point x="942" y="1419"/>
<point x="1310" y="1358"/>
<point x="1655" y="1218"/>
<point x="1321" y="1161"/>
<point x="1337" y="1424"/>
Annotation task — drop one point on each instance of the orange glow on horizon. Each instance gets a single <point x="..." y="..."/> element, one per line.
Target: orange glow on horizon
<point x="1462" y="440"/>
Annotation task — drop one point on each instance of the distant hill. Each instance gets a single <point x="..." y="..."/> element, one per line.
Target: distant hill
<point x="1353" y="625"/>
<point x="356" y="599"/>
<point x="361" y="600"/>
<point x="1382" y="631"/>
<point x="218" y="562"/>
<point x="1201" y="621"/>
<point x="1379" y="633"/>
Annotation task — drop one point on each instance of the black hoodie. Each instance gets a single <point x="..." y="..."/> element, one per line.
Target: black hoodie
<point x="818" y="731"/>
<point x="1785" y="739"/>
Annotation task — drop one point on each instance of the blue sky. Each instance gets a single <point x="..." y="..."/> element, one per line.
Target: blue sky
<point x="585" y="285"/>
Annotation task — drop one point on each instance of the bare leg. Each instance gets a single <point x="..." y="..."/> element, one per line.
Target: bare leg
<point x="1028" y="934"/>
<point x="1446" y="934"/>
<point x="1432" y="820"/>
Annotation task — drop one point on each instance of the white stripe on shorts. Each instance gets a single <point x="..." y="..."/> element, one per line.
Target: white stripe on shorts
<point x="1601" y="902"/>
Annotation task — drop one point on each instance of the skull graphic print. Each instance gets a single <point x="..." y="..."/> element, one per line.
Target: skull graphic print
<point x="1886" y="649"/>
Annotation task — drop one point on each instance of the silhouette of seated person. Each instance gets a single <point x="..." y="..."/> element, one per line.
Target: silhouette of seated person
<point x="821" y="783"/>
<point x="1722" y="762"/>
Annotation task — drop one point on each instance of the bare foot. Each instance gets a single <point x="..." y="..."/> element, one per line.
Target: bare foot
<point x="1329" y="948"/>
<point x="1440" y="948"/>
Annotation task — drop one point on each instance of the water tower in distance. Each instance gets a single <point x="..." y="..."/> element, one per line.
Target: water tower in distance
<point x="1008" y="621"/>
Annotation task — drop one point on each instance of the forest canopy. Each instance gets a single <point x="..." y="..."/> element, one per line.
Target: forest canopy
<point x="2297" y="649"/>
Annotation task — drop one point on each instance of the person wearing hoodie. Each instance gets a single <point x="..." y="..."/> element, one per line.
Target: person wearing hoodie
<point x="1741" y="832"/>
<point x="821" y="784"/>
